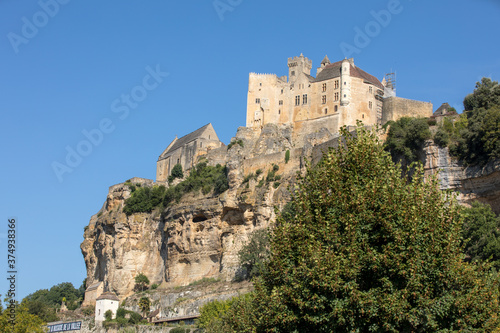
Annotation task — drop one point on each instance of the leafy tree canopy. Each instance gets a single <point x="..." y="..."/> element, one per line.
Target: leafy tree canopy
<point x="141" y="282"/>
<point x="253" y="255"/>
<point x="406" y="137"/>
<point x="370" y="251"/>
<point x="481" y="233"/>
<point x="485" y="95"/>
<point x="25" y="322"/>
<point x="477" y="138"/>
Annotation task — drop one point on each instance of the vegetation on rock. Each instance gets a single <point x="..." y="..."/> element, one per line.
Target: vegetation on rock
<point x="253" y="255"/>
<point x="141" y="282"/>
<point x="202" y="177"/>
<point x="406" y="137"/>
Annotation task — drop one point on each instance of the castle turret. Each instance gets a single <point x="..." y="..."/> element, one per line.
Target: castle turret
<point x="324" y="63"/>
<point x="297" y="65"/>
<point x="345" y="81"/>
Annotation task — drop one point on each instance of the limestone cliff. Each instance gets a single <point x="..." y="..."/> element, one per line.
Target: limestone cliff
<point x="472" y="183"/>
<point x="200" y="236"/>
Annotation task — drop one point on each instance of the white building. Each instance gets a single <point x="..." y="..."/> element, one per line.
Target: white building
<point x="105" y="302"/>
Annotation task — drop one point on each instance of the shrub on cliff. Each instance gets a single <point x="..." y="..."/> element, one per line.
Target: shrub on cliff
<point x="144" y="200"/>
<point x="406" y="138"/>
<point x="368" y="250"/>
<point x="478" y="136"/>
<point x="141" y="282"/>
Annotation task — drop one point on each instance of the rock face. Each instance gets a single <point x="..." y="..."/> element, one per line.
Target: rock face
<point x="200" y="236"/>
<point x="480" y="183"/>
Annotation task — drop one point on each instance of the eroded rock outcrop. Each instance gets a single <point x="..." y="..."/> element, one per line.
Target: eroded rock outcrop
<point x="472" y="183"/>
<point x="199" y="236"/>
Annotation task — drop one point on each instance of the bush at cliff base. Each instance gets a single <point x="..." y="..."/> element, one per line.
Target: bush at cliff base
<point x="369" y="251"/>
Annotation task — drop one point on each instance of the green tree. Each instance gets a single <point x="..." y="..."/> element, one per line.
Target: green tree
<point x="213" y="311"/>
<point x="370" y="251"/>
<point x="481" y="233"/>
<point x="25" y="322"/>
<point x="108" y="315"/>
<point x="441" y="138"/>
<point x="253" y="255"/>
<point x="177" y="171"/>
<point x="406" y="137"/>
<point x="478" y="139"/>
<point x="141" y="282"/>
<point x="144" y="304"/>
<point x="233" y="315"/>
<point x="485" y="95"/>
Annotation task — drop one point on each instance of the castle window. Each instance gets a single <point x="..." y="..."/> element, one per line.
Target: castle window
<point x="370" y="104"/>
<point x="345" y="95"/>
<point x="370" y="90"/>
<point x="282" y="91"/>
<point x="345" y="83"/>
<point x="260" y="84"/>
<point x="297" y="100"/>
<point x="257" y="101"/>
<point x="279" y="111"/>
<point x="336" y="84"/>
<point x="323" y="99"/>
<point x="363" y="116"/>
<point x="324" y="87"/>
<point x="326" y="110"/>
<point x="292" y="73"/>
<point x="281" y="102"/>
<point x="336" y="108"/>
<point x="336" y="96"/>
<point x="201" y="144"/>
<point x="304" y="99"/>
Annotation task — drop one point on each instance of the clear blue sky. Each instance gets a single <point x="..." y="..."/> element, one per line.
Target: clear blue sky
<point x="66" y="72"/>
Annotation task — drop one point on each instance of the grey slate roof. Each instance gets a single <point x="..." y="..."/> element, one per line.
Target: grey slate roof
<point x="93" y="286"/>
<point x="325" y="61"/>
<point x="186" y="139"/>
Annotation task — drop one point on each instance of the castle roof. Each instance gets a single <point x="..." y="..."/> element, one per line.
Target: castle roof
<point x="333" y="71"/>
<point x="325" y="61"/>
<point x="442" y="110"/>
<point x="185" y="139"/>
<point x="108" y="296"/>
<point x="94" y="286"/>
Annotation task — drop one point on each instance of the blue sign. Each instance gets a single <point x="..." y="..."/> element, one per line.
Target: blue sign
<point x="74" y="326"/>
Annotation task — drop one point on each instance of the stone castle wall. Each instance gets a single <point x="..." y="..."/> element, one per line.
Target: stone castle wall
<point x="397" y="107"/>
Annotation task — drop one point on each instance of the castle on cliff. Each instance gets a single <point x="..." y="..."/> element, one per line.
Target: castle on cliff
<point x="339" y="95"/>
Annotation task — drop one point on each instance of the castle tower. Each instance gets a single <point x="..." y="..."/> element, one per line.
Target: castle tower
<point x="297" y="65"/>
<point x="345" y="81"/>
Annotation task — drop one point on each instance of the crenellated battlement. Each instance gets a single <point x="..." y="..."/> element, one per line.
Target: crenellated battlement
<point x="263" y="74"/>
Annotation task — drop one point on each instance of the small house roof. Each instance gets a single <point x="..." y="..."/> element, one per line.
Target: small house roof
<point x="108" y="296"/>
<point x="93" y="286"/>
